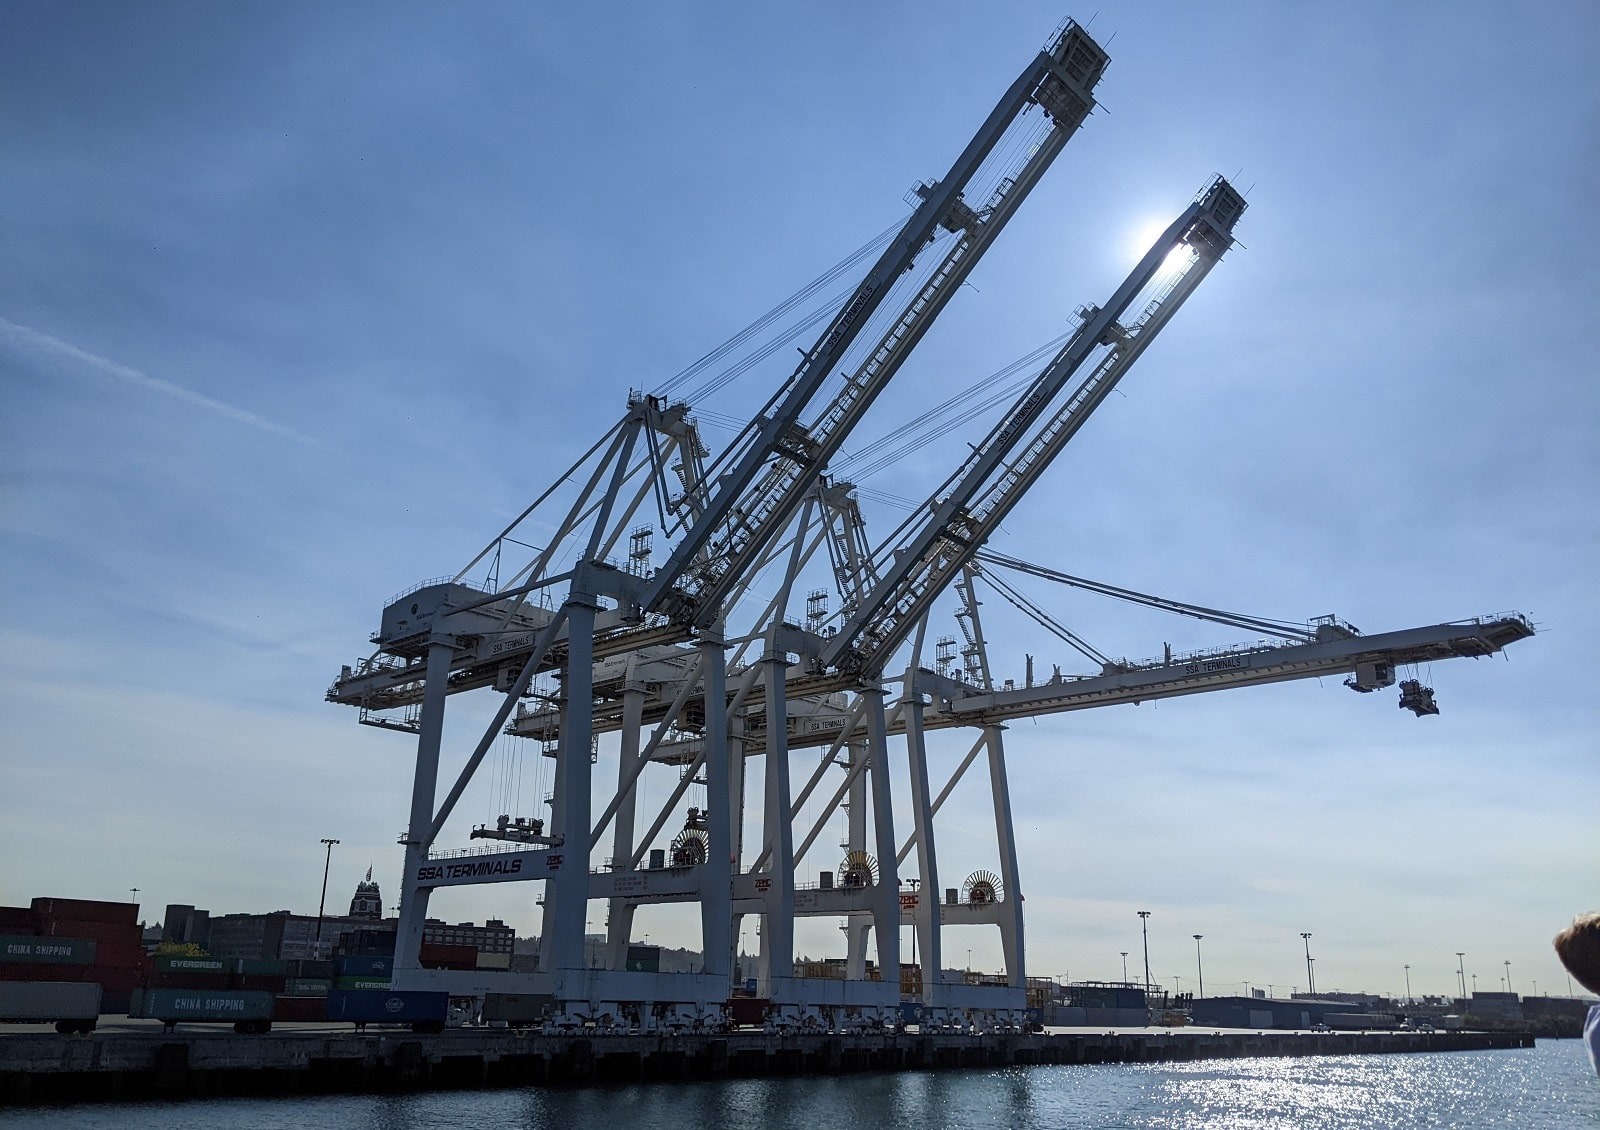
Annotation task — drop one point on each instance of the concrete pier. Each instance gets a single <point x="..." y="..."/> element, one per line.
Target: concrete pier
<point x="198" y="1062"/>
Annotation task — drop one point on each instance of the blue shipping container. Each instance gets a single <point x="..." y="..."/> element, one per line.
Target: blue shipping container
<point x="363" y="965"/>
<point x="387" y="1006"/>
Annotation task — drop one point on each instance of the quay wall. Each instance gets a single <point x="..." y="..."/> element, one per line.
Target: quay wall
<point x="36" y="1068"/>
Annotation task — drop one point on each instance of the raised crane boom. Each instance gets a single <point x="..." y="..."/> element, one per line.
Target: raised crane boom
<point x="930" y="547"/>
<point x="755" y="495"/>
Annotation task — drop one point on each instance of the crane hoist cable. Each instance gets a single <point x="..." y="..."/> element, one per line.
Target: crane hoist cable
<point x="830" y="275"/>
<point x="899" y="502"/>
<point x="1283" y="629"/>
<point x="1029" y="608"/>
<point x="725" y="377"/>
<point x="919" y="432"/>
<point x="871" y="331"/>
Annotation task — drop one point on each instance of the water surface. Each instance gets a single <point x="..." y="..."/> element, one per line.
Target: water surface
<point x="1548" y="1087"/>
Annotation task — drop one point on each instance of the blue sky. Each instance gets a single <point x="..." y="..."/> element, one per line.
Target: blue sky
<point x="303" y="302"/>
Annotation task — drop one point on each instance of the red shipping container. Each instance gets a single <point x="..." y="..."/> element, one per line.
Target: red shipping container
<point x="437" y="955"/>
<point x="300" y="1008"/>
<point x="11" y="971"/>
<point x="116" y="978"/>
<point x="87" y="910"/>
<point x="16" y="920"/>
<point x="123" y="959"/>
<point x="47" y="926"/>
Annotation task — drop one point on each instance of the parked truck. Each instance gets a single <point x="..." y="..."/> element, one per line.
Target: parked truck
<point x="72" y="1006"/>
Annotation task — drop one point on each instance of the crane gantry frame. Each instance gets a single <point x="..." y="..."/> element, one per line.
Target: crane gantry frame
<point x="691" y="668"/>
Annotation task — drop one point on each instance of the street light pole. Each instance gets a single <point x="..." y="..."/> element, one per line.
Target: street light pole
<point x="1508" y="976"/>
<point x="323" y="901"/>
<point x="1408" y="984"/>
<point x="1144" y="930"/>
<point x="1198" y="968"/>
<point x="1124" y="966"/>
<point x="1461" y="968"/>
<point x="1311" y="984"/>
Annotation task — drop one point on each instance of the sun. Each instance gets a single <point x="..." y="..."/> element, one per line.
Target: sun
<point x="1144" y="236"/>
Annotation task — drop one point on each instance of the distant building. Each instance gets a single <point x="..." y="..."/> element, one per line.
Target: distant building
<point x="1496" y="1006"/>
<point x="1365" y="1000"/>
<point x="183" y="923"/>
<point x="285" y="935"/>
<point x="1266" y="1012"/>
<point x="368" y="901"/>
<point x="279" y="934"/>
<point x="494" y="936"/>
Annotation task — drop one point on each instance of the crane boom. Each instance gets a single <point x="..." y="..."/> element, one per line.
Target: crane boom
<point x="757" y="494"/>
<point x="1369" y="659"/>
<point x="941" y="537"/>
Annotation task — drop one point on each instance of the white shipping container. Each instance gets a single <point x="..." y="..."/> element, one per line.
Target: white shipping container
<point x="74" y="1006"/>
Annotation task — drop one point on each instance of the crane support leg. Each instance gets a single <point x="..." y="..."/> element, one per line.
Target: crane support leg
<point x="619" y="918"/>
<point x="777" y="919"/>
<point x="1011" y="937"/>
<point x="716" y="892"/>
<point x="886" y="899"/>
<point x="567" y="889"/>
<point x="859" y="926"/>
<point x="928" y="916"/>
<point x="424" y="787"/>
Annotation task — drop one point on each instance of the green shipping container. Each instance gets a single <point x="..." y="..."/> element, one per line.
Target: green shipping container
<point x="23" y="950"/>
<point x="260" y="967"/>
<point x="200" y="1004"/>
<point x="170" y="963"/>
<point x="362" y="983"/>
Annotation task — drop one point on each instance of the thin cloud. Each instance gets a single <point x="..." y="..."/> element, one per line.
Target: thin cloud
<point x="30" y="338"/>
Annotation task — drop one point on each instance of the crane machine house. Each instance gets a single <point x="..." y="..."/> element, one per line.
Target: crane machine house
<point x="697" y="666"/>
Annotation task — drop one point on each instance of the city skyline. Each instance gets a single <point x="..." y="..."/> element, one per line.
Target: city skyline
<point x="305" y="303"/>
<point x="1172" y="982"/>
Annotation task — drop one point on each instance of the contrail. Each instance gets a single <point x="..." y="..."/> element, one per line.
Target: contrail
<point x="23" y="336"/>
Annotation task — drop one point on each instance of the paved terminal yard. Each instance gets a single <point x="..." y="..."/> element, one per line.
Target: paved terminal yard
<point x="126" y="1059"/>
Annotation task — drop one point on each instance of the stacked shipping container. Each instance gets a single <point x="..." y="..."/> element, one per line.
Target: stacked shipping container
<point x="98" y="942"/>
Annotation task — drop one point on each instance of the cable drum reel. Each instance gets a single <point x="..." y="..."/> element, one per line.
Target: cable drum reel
<point x="982" y="888"/>
<point x="858" y="870"/>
